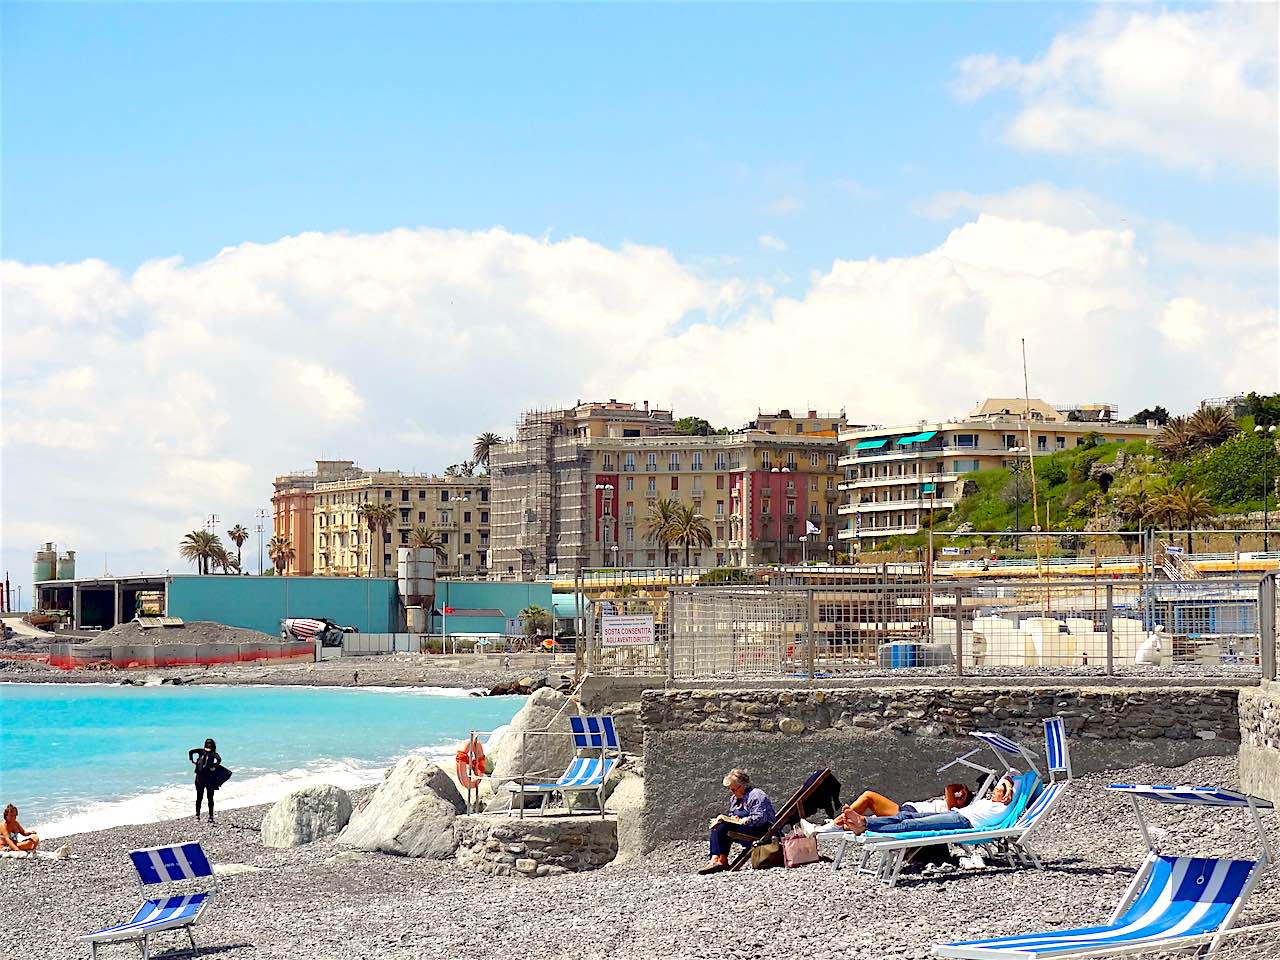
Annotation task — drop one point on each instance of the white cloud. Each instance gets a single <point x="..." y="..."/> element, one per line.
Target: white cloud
<point x="785" y="205"/>
<point x="1190" y="89"/>
<point x="768" y="241"/>
<point x="182" y="389"/>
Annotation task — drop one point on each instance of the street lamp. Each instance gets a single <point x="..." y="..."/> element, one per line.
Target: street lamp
<point x="831" y="554"/>
<point x="804" y="549"/>
<point x="1268" y="434"/>
<point x="613" y="550"/>
<point x="458" y="498"/>
<point x="261" y="516"/>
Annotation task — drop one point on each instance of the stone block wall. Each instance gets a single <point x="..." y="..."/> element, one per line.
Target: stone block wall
<point x="535" y="846"/>
<point x="1260" y="740"/>
<point x="893" y="738"/>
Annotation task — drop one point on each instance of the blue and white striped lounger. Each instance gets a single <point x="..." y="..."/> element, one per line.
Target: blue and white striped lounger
<point x="160" y="865"/>
<point x="1173" y="903"/>
<point x="1028" y="811"/>
<point x="585" y="774"/>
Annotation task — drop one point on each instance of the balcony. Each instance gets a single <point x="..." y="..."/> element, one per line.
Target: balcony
<point x="874" y="506"/>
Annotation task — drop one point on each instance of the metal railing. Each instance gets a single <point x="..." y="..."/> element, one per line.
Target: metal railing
<point x="827" y="622"/>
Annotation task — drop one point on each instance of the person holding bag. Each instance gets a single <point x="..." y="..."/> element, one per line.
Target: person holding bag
<point x="210" y="773"/>
<point x="750" y="815"/>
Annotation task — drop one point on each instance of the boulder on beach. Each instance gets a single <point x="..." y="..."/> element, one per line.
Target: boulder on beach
<point x="308" y="814"/>
<point x="546" y="710"/>
<point x="410" y="814"/>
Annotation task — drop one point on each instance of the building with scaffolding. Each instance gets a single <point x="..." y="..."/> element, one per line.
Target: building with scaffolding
<point x="575" y="489"/>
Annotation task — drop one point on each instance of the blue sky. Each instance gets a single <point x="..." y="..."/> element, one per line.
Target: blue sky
<point x="237" y="237"/>
<point x="142" y="131"/>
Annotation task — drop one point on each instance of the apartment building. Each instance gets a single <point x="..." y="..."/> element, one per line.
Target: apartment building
<point x="455" y="509"/>
<point x="812" y="424"/>
<point x="894" y="476"/>
<point x="564" y="501"/>
<point x="293" y="510"/>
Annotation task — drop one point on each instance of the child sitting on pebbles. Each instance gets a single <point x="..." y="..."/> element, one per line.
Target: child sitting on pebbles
<point x="17" y="840"/>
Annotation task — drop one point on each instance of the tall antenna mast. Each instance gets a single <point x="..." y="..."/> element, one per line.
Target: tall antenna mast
<point x="1031" y="469"/>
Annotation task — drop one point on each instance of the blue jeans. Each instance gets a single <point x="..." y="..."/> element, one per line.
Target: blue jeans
<point x="720" y="842"/>
<point x="908" y="821"/>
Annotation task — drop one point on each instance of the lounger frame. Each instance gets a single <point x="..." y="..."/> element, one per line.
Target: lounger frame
<point x="1198" y="796"/>
<point x="166" y="868"/>
<point x="586" y="773"/>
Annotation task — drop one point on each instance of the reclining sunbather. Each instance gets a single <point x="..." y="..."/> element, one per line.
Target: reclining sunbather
<point x="976" y="815"/>
<point x="870" y="803"/>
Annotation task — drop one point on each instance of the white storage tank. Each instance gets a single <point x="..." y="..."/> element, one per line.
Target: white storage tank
<point x="416" y="575"/>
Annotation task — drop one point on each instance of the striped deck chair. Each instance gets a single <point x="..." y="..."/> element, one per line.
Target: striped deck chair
<point x="1011" y="837"/>
<point x="1173" y="903"/>
<point x="155" y="866"/>
<point x="585" y="773"/>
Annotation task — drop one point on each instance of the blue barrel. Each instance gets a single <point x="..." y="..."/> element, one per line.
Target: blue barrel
<point x="902" y="654"/>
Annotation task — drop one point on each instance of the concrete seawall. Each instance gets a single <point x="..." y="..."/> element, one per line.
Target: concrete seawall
<point x="1260" y="740"/>
<point x="893" y="738"/>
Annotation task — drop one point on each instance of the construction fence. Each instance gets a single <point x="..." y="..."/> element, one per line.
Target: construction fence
<point x="803" y="626"/>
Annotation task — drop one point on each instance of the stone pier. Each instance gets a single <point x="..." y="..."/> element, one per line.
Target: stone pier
<point x="535" y="846"/>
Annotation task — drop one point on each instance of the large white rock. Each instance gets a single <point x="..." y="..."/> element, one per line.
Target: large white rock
<point x="410" y="814"/>
<point x="310" y="813"/>
<point x="534" y="756"/>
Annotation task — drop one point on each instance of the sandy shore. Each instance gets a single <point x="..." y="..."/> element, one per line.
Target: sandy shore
<point x="321" y="902"/>
<point x="397" y="670"/>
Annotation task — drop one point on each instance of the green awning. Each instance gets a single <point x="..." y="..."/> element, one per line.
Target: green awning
<point x="917" y="438"/>
<point x="871" y="444"/>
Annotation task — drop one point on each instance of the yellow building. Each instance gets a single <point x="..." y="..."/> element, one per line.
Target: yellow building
<point x="455" y="509"/>
<point x="895" y="475"/>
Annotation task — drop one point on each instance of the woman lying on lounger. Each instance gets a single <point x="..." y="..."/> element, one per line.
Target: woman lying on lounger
<point x="870" y="803"/>
<point x="976" y="815"/>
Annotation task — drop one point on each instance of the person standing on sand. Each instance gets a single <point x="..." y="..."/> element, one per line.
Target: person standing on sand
<point x="208" y="764"/>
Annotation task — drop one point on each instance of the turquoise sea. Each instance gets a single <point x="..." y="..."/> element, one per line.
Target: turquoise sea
<point x="76" y="757"/>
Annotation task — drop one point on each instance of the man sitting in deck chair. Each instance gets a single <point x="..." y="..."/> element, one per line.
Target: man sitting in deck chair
<point x="976" y="815"/>
<point x="750" y="817"/>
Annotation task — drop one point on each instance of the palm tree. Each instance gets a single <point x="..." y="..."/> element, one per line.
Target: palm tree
<point x="281" y="552"/>
<point x="661" y="526"/>
<point x="219" y="557"/>
<point x="535" y="618"/>
<point x="1211" y="426"/>
<point x="484" y="447"/>
<point x="238" y="535"/>
<point x="1174" y="439"/>
<point x="368" y="514"/>
<point x="1186" y="505"/>
<point x="384" y="515"/>
<point x="690" y="529"/>
<point x="198" y="546"/>
<point x="425" y="537"/>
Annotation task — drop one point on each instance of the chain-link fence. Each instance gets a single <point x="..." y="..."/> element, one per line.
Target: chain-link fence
<point x="824" y="623"/>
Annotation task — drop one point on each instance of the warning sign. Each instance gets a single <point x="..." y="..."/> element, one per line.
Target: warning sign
<point x="629" y="631"/>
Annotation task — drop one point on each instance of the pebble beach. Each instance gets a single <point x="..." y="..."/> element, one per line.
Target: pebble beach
<point x="320" y="901"/>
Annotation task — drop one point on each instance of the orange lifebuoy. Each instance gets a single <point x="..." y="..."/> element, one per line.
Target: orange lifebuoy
<point x="470" y="760"/>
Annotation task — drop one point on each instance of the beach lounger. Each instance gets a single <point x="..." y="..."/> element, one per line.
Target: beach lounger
<point x="585" y="774"/>
<point x="819" y="789"/>
<point x="1173" y="903"/>
<point x="1033" y="800"/>
<point x="156" y="866"/>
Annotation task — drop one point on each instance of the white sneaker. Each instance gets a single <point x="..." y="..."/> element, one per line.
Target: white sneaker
<point x="809" y="828"/>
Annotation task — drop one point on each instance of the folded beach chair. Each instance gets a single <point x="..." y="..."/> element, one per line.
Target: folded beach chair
<point x="819" y="790"/>
<point x="585" y="774"/>
<point x="155" y="866"/>
<point x="1032" y="802"/>
<point x="1173" y="903"/>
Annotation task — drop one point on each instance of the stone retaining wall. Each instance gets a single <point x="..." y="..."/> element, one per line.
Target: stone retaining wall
<point x="1260" y="740"/>
<point x="893" y="738"/>
<point x="535" y="846"/>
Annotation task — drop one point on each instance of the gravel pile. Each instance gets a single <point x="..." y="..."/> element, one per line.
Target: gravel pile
<point x="192" y="631"/>
<point x="320" y="902"/>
